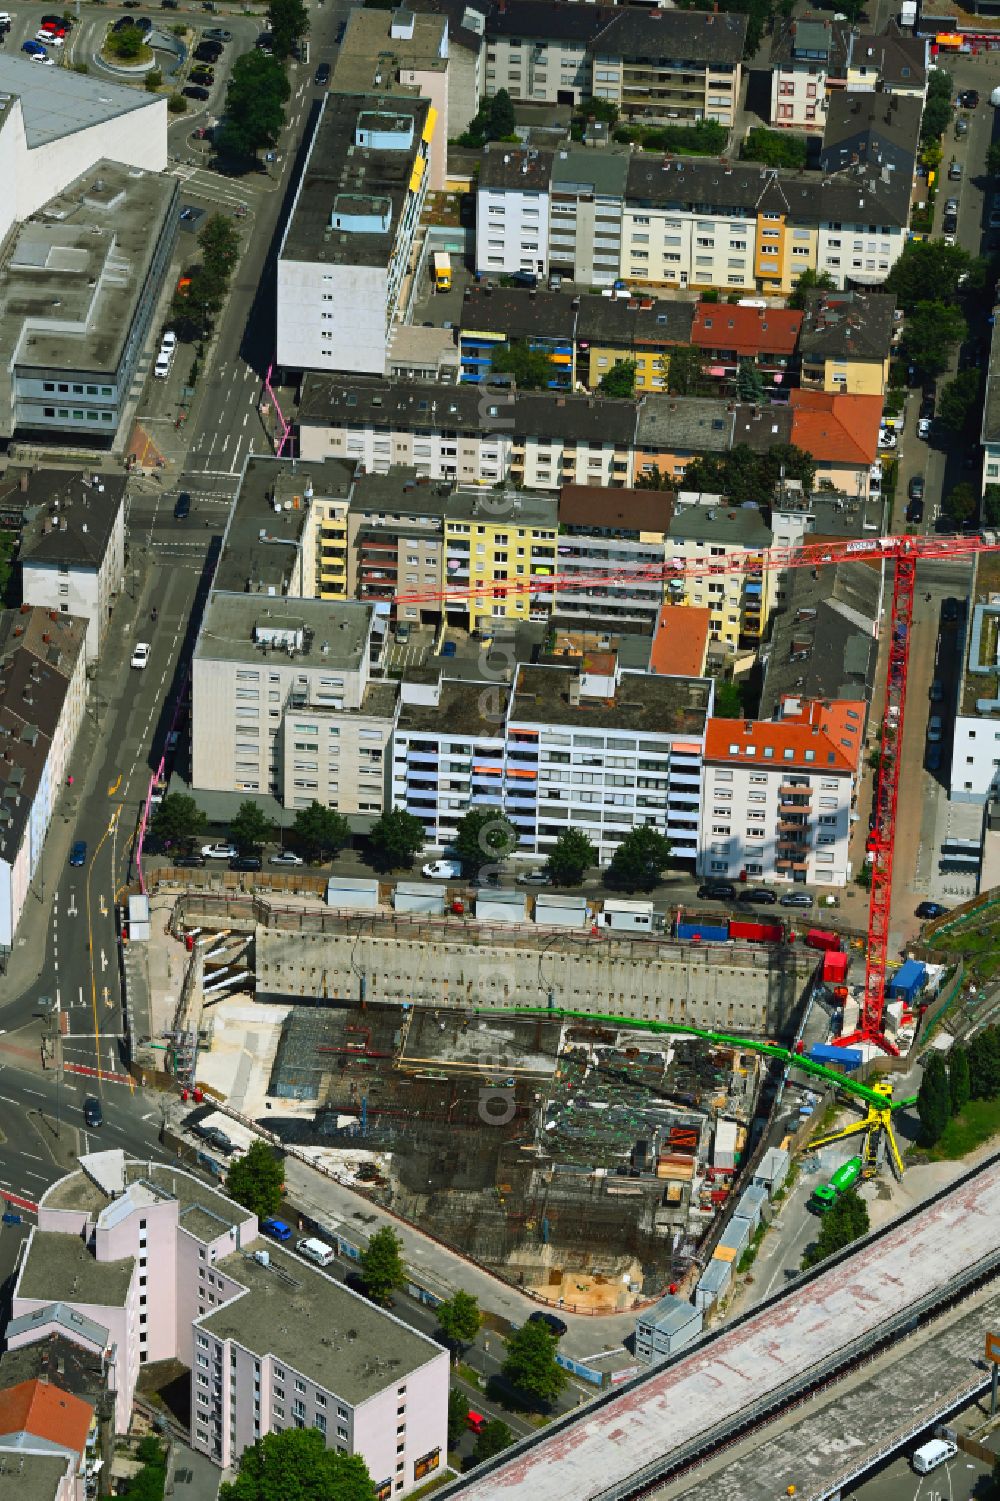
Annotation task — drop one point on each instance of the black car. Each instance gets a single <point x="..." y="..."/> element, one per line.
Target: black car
<point x="969" y="99"/>
<point x="949" y="224"/>
<point x="144" y="24"/>
<point x="915" y="512"/>
<point x="182" y="506"/>
<point x="203" y="75"/>
<point x="123" y="23"/>
<point x="169" y="4"/>
<point x="341" y="33"/>
<point x="717" y="891"/>
<point x="931" y="909"/>
<point x="265" y="43"/>
<point x="759" y="895"/>
<point x="208" y="52"/>
<point x="219" y="1140"/>
<point x="927" y="408"/>
<point x="93" y="1115"/>
<point x="190" y="862"/>
<point x="322" y="75"/>
<point x="245" y="862"/>
<point x="549" y="1320"/>
<point x="525" y="279"/>
<point x="916" y="487"/>
<point x="193" y="91"/>
<point x="949" y="611"/>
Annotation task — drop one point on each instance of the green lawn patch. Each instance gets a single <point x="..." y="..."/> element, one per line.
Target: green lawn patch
<point x="964" y="1132"/>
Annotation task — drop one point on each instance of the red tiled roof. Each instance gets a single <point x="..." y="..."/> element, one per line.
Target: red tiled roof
<point x="681" y="641"/>
<point x="836" y="429"/>
<point x="45" y="1411"/>
<point x="811" y="735"/>
<point x="747" y="330"/>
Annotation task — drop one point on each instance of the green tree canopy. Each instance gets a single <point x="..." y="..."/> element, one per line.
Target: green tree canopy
<point x="743" y="474"/>
<point x="810" y="281"/>
<point x="958" y="406"/>
<point x="991" y="506"/>
<point x="492" y="1439"/>
<point x="294" y="1464"/>
<point x="686" y="370"/>
<point x="619" y="380"/>
<point x="927" y="271"/>
<point x="640" y="857"/>
<point x="750" y="383"/>
<point x="843" y="1223"/>
<point x="256" y="1180"/>
<point x="484" y="837"/>
<point x="775" y="148"/>
<point x="984" y="1064"/>
<point x="728" y="701"/>
<point x="255" y="104"/>
<point x="126" y="45"/>
<point x="933" y="1100"/>
<point x="958" y="1078"/>
<point x="930" y="333"/>
<point x="502" y="120"/>
<point x="395" y="838"/>
<point x="993" y="158"/>
<point x="178" y="819"/>
<point x="459" y="1318"/>
<point x="251" y="827"/>
<point x="458" y="1415"/>
<point x="289" y="24"/>
<point x="961" y="503"/>
<point x="531" y="1361"/>
<point x="571" y="855"/>
<point x="936" y="119"/>
<point x="382" y="1265"/>
<point x="531" y="368"/>
<point x="176" y="104"/>
<point x="320" y="831"/>
<point x="220" y="245"/>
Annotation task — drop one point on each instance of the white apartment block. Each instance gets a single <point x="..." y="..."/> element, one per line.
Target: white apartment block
<point x="72" y="551"/>
<point x="283" y="702"/>
<point x="674" y="247"/>
<point x="670" y="66"/>
<point x="347" y="246"/>
<point x="152" y="1265"/>
<point x="777" y="794"/>
<point x="549" y="70"/>
<point x="600" y="750"/>
<point x="512" y="210"/>
<point x="806" y="54"/>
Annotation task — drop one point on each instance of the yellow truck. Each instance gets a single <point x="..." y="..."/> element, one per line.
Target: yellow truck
<point x="442" y="271"/>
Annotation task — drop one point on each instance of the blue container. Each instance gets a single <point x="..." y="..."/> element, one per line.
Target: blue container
<point x="707" y="932"/>
<point x="822" y="1052"/>
<point x="908" y="981"/>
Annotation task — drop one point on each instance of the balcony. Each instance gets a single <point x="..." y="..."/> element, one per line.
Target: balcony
<point x="792" y="790"/>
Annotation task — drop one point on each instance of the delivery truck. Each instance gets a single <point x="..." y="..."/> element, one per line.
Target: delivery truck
<point x="442" y="271"/>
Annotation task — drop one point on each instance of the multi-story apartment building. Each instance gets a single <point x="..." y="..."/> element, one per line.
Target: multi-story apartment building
<point x="538" y="51"/>
<point x="873" y="129"/>
<point x="808" y="61"/>
<point x="777" y="794"/>
<point x="841" y="434"/>
<point x="283" y="702"/>
<point x="153" y="1265"/>
<point x="892" y="63"/>
<point x="673" y="431"/>
<point x="512" y="210"/>
<point x="493" y="319"/>
<point x="576" y="743"/>
<point x="349" y="238"/>
<point x="600" y="533"/>
<point x="637" y="328"/>
<point x="670" y="65"/>
<point x="975" y="757"/>
<point x="395" y="541"/>
<point x="476" y="437"/>
<point x="845" y="342"/>
<point x="989" y="433"/>
<point x="43" y="693"/>
<point x="498" y="537"/>
<point x="824" y="636"/>
<point x="764" y="336"/>
<point x="740" y="602"/>
<point x="693" y="223"/>
<point x="72" y="547"/>
<point x="586" y="202"/>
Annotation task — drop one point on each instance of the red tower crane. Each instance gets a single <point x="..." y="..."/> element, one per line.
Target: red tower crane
<point x="904" y="553"/>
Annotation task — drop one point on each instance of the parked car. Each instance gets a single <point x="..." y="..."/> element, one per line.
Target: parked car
<point x="969" y="99"/>
<point x="195" y="91"/>
<point x="442" y="870"/>
<point x="402" y="632"/>
<point x="322" y="75"/>
<point x="207" y="52"/>
<point x="886" y="438"/>
<point x="534" y="878"/>
<point x="217" y="34"/>
<point x="933" y="758"/>
<point x="936" y="691"/>
<point x="449" y="649"/>
<point x="915" y="512"/>
<point x="955" y="172"/>
<point x="951" y="205"/>
<point x="949" y="611"/>
<point x="717" y="891"/>
<point x="549" y="1320"/>
<point x="202" y="75"/>
<point x="341" y="33"/>
<point x="220" y="851"/>
<point x="923" y="427"/>
<point x="140" y="654"/>
<point x="219" y="1140"/>
<point x="935" y="729"/>
<point x="796" y="899"/>
<point x="78" y="853"/>
<point x="37" y="53"/>
<point x="276" y="1229"/>
<point x="144" y="24"/>
<point x="915" y="491"/>
<point x="759" y="896"/>
<point x="961" y="128"/>
<point x="931" y="909"/>
<point x="193" y="862"/>
<point x="265" y="43"/>
<point x="245" y="862"/>
<point x="93" y="1115"/>
<point x="285" y="857"/>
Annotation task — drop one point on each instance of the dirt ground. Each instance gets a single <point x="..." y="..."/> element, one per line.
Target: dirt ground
<point x="597" y="1294"/>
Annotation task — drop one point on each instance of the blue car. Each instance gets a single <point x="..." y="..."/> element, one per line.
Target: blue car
<point x="78" y="854"/>
<point x="34" y="49"/>
<point x="276" y="1229"/>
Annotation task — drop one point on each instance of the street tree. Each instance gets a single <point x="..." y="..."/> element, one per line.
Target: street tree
<point x="960" y="503"/>
<point x="531" y="368"/>
<point x="640" y="857"/>
<point x="289" y="23"/>
<point x="178" y="819"/>
<point x="396" y="836"/>
<point x="810" y="281"/>
<point x="619" y="380"/>
<point x="251" y="827"/>
<point x="294" y="1464"/>
<point x="571" y="855"/>
<point x="256" y="1180"/>
<point x="492" y="1439"/>
<point x="320" y="831"/>
<point x="958" y="408"/>
<point x="459" y="1318"/>
<point x="991" y="506"/>
<point x="254" y="112"/>
<point x="927" y="271"/>
<point x="843" y="1223"/>
<point x="502" y="120"/>
<point x="382" y="1265"/>
<point x="220" y="244"/>
<point x="958" y="1078"/>
<point x="933" y="1100"/>
<point x="125" y="46"/>
<point x="484" y="837"/>
<point x="984" y="1064"/>
<point x="458" y="1415"/>
<point x="531" y="1361"/>
<point x="930" y="334"/>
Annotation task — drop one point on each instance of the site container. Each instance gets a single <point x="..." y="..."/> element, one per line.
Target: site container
<point x="712" y="1283"/>
<point x="735" y="1238"/>
<point x="631" y="917"/>
<point x="705" y="932"/>
<point x="724" y="1146"/>
<point x="666" y="1328"/>
<point x="501" y="906"/>
<point x="756" y="932"/>
<point x="835" y="967"/>
<point x="908" y="981"/>
<point x="561" y="911"/>
<point x="834" y="1057"/>
<point x="772" y="1169"/>
<point x="750" y="1205"/>
<point x="418" y="896"/>
<point x="352" y="891"/>
<point x="822" y="938"/>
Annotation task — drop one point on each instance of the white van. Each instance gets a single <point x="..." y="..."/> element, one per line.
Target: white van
<point x="442" y="870"/>
<point x="929" y="1456"/>
<point x="163" y="364"/>
<point x="315" y="1250"/>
